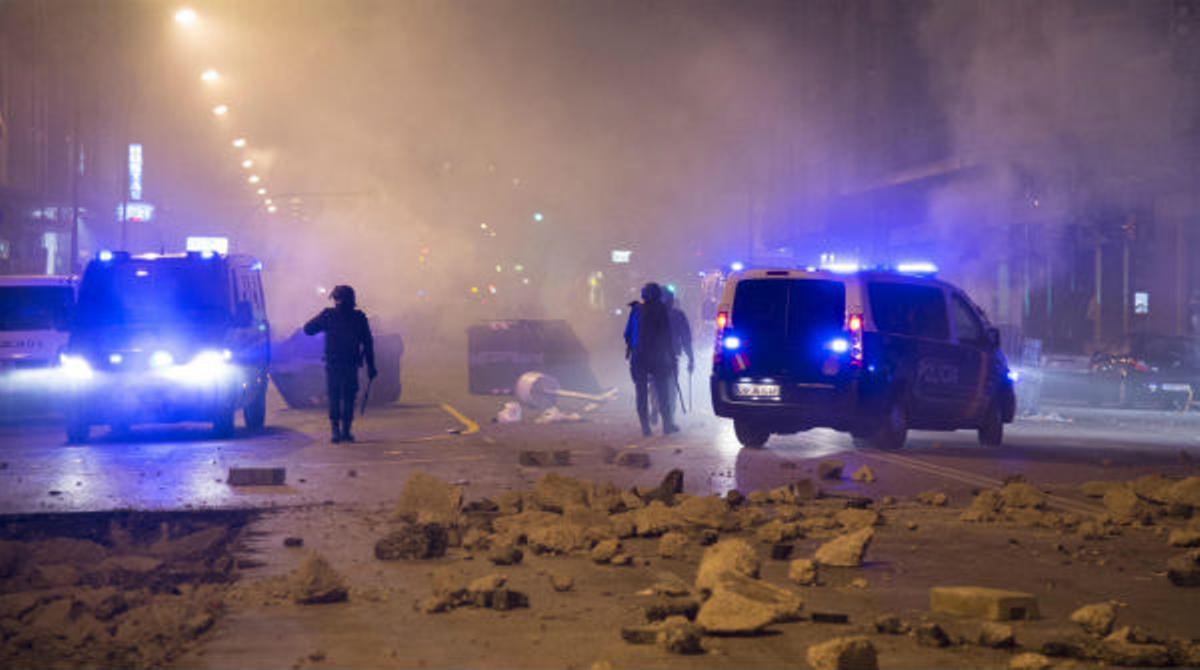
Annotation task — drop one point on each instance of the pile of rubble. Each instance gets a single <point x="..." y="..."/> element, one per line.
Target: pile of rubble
<point x="112" y="590"/>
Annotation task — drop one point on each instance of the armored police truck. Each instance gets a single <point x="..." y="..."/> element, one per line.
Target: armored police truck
<point x="167" y="338"/>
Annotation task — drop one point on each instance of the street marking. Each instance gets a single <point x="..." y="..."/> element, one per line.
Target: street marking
<point x="973" y="479"/>
<point x="469" y="426"/>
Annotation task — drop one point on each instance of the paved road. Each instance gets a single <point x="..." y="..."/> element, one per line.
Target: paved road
<point x="450" y="434"/>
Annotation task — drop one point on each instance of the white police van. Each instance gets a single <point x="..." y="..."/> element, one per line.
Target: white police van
<point x="872" y="353"/>
<point x="34" y="314"/>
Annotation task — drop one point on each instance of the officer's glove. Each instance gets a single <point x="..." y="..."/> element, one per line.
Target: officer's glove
<point x="372" y="373"/>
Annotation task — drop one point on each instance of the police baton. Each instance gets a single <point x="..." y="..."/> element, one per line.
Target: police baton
<point x="366" y="396"/>
<point x="679" y="392"/>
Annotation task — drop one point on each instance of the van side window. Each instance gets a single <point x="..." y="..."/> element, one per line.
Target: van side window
<point x="905" y="309"/>
<point x="966" y="323"/>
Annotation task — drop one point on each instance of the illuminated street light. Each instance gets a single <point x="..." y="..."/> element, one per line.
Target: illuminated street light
<point x="210" y="75"/>
<point x="262" y="190"/>
<point x="247" y="163"/>
<point x="537" y="216"/>
<point x="221" y="110"/>
<point x="253" y="179"/>
<point x="268" y="202"/>
<point x="186" y="16"/>
<point x="239" y="143"/>
<point x="272" y="209"/>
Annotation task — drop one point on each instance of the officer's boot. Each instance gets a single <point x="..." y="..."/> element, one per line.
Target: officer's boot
<point x="334" y="432"/>
<point x="347" y="436"/>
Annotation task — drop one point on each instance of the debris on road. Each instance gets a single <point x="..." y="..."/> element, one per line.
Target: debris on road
<point x="633" y="459"/>
<point x="413" y="541"/>
<point x="845" y="551"/>
<point x="316" y="583"/>
<point x="293" y="542"/>
<point x="864" y="475"/>
<point x="1184" y="570"/>
<point x="830" y="469"/>
<point x="256" y="476"/>
<point x="843" y="653"/>
<point x="983" y="603"/>
<point x="542" y="459"/>
<point x="933" y="498"/>
<point x="1097" y="618"/>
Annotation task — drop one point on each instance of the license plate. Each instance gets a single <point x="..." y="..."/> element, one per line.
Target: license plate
<point x="745" y="390"/>
<point x="1181" y="388"/>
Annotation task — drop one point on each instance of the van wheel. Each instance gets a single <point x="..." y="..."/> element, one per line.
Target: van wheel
<point x="890" y="435"/>
<point x="991" y="429"/>
<point x="750" y="434"/>
<point x="223" y="424"/>
<point x="255" y="413"/>
<point x="77" y="432"/>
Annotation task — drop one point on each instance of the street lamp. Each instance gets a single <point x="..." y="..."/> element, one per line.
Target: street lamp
<point x="210" y="76"/>
<point x="186" y="16"/>
<point x="221" y="110"/>
<point x="272" y="209"/>
<point x="261" y="190"/>
<point x="239" y="143"/>
<point x="253" y="179"/>
<point x="247" y="164"/>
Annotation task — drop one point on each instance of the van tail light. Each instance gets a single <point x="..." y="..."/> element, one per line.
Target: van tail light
<point x="854" y="325"/>
<point x="719" y="342"/>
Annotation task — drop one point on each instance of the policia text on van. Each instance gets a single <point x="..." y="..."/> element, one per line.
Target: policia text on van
<point x="870" y="353"/>
<point x="164" y="338"/>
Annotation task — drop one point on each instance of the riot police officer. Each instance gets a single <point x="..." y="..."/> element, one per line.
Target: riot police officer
<point x="652" y="356"/>
<point x="348" y="343"/>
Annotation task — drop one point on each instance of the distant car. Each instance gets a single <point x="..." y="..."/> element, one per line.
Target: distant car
<point x="34" y="313"/>
<point x="870" y="353"/>
<point x="167" y="338"/>
<point x="1157" y="370"/>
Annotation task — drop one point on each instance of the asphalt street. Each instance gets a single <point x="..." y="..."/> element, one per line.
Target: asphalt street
<point x="448" y="433"/>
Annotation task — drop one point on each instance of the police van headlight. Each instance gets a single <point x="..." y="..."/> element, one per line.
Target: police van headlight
<point x="161" y="359"/>
<point x="208" y="366"/>
<point x="75" y="367"/>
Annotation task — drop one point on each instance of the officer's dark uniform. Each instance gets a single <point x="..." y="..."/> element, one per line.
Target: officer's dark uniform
<point x="348" y="343"/>
<point x="652" y="358"/>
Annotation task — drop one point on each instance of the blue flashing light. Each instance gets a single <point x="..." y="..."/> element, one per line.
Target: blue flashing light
<point x="842" y="268"/>
<point x="105" y="256"/>
<point x="838" y="346"/>
<point x="732" y="343"/>
<point x="1013" y="376"/>
<point x="917" y="268"/>
<point x="737" y="266"/>
<point x="671" y="288"/>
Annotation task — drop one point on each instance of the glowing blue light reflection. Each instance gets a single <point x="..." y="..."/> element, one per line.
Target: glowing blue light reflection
<point x="732" y="342"/>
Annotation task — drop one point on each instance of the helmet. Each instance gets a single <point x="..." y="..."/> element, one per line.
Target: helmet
<point x="343" y="295"/>
<point x="652" y="292"/>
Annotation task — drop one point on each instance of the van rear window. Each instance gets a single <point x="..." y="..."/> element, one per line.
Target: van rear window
<point x="908" y="309"/>
<point x="789" y="306"/>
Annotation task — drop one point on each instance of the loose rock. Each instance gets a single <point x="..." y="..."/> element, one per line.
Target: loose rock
<point x="932" y="635"/>
<point x="1097" y="618"/>
<point x="803" y="571"/>
<point x="1185" y="570"/>
<point x="1124" y="506"/>
<point x="730" y="556"/>
<point x="1184" y="538"/>
<point x="996" y="635"/>
<point x="843" y="653"/>
<point x="864" y="475"/>
<point x="427" y="499"/>
<point x="890" y="624"/>
<point x="1030" y="661"/>
<point x="672" y="545"/>
<point x="605" y="551"/>
<point x="847" y="550"/>
<point x="315" y="582"/>
<point x="505" y="554"/>
<point x="415" y="541"/>
<point x="933" y="498"/>
<point x="830" y="469"/>
<point x="741" y="605"/>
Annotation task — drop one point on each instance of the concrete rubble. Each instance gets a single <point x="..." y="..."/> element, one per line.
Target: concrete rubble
<point x="843" y="653"/>
<point x="845" y="551"/>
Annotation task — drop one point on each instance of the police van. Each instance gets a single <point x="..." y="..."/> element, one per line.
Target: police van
<point x="167" y="338"/>
<point x="871" y="353"/>
<point x="34" y="312"/>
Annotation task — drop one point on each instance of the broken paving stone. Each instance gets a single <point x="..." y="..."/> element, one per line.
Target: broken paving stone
<point x="890" y="624"/>
<point x="931" y="635"/>
<point x="1030" y="661"/>
<point x="1129" y="647"/>
<point x="707" y="512"/>
<point x="857" y="518"/>
<point x="984" y="603"/>
<point x="315" y="582"/>
<point x="664" y="607"/>
<point x="605" y="551"/>
<point x="843" y="653"/>
<point x="561" y="583"/>
<point x="1021" y="495"/>
<point x="505" y="555"/>
<point x="742" y="605"/>
<point x="427" y="499"/>
<point x="777" y="531"/>
<point x="864" y="475"/>
<point x="933" y="498"/>
<point x="655" y="519"/>
<point x="1185" y="492"/>
<point x="803" y="571"/>
<point x="845" y="551"/>
<point x="670" y="486"/>
<point x="1097" y="618"/>
<point x="729" y="556"/>
<point x="672" y="545"/>
<point x="293" y="542"/>
<point x="1184" y="538"/>
<point x="1124" y="506"/>
<point x="416" y="541"/>
<point x="996" y="635"/>
<point x="859" y="583"/>
<point x="256" y="476"/>
<point x="677" y="635"/>
<point x="1184" y="570"/>
<point x="830" y="469"/>
<point x="633" y="459"/>
<point x="621" y="559"/>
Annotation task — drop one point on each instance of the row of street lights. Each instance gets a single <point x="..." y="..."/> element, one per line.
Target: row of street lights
<point x="187" y="18"/>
